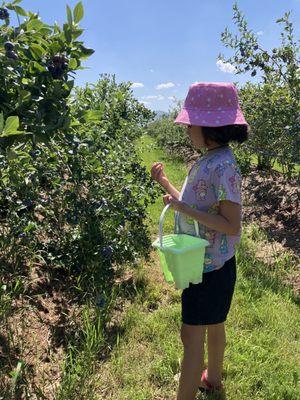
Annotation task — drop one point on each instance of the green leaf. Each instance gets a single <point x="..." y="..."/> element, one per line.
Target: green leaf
<point x="24" y="95"/>
<point x="69" y="16"/>
<point x="39" y="67"/>
<point x="78" y="12"/>
<point x="55" y="47"/>
<point x="11" y="155"/>
<point x="20" y="11"/>
<point x="11" y="125"/>
<point x="93" y="115"/>
<point x="70" y="84"/>
<point x="16" y="133"/>
<point x="41" y="138"/>
<point x="67" y="33"/>
<point x="72" y="63"/>
<point x="30" y="226"/>
<point x="76" y="33"/>
<point x="35" y="24"/>
<point x="36" y="51"/>
<point x="85" y="51"/>
<point x="1" y="122"/>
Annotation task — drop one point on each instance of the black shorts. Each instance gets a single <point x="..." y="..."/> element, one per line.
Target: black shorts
<point x="209" y="302"/>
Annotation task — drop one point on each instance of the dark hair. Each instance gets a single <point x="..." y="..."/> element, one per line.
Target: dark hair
<point x="226" y="134"/>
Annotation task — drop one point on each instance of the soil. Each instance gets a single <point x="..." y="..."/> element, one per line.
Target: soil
<point x="37" y="332"/>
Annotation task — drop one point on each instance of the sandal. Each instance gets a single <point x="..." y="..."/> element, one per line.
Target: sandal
<point x="208" y="386"/>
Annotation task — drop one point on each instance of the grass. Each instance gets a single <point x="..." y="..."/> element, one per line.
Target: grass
<point x="176" y="171"/>
<point x="262" y="355"/>
<point x="276" y="166"/>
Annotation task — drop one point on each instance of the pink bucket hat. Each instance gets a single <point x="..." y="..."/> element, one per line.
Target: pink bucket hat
<point x="211" y="104"/>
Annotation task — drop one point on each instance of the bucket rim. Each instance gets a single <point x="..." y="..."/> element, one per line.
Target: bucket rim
<point x="195" y="246"/>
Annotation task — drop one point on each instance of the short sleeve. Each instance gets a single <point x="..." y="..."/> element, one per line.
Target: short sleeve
<point x="227" y="182"/>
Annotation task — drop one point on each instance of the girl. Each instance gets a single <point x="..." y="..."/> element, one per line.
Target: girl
<point x="211" y="195"/>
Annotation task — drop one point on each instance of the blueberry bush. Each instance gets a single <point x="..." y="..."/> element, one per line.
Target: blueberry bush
<point x="73" y="194"/>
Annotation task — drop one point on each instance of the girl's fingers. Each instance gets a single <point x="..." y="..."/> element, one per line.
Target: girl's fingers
<point x="156" y="172"/>
<point x="166" y="198"/>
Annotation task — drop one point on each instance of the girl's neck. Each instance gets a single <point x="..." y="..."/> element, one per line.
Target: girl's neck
<point x="214" y="147"/>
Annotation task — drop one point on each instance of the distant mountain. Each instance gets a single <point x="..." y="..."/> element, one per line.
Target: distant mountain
<point x="160" y="114"/>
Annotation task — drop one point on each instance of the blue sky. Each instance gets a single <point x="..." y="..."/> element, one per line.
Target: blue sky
<point x="165" y="45"/>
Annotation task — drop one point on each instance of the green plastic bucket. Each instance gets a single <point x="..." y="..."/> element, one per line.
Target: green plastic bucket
<point x="181" y="255"/>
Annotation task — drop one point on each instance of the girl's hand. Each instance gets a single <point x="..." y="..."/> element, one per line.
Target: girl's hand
<point x="176" y="204"/>
<point x="157" y="173"/>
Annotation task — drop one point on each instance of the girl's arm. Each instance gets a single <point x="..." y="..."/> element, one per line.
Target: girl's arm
<point x="171" y="190"/>
<point x="157" y="173"/>
<point x="228" y="220"/>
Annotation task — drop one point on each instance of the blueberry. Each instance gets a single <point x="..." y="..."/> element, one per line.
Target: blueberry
<point x="12" y="55"/>
<point x="4" y="14"/>
<point x="17" y="31"/>
<point x="9" y="46"/>
<point x="107" y="252"/>
<point x="126" y="192"/>
<point x="100" y="203"/>
<point x="51" y="68"/>
<point x="127" y="214"/>
<point x="29" y="204"/>
<point x="100" y="302"/>
<point x="57" y="73"/>
<point x="103" y="202"/>
<point x="134" y="166"/>
<point x="57" y="59"/>
<point x="33" y="153"/>
<point x="64" y="66"/>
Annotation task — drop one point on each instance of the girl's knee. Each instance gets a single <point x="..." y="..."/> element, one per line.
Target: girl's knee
<point x="192" y="335"/>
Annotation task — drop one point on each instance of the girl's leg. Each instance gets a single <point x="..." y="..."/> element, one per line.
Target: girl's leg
<point x="193" y="337"/>
<point x="216" y="347"/>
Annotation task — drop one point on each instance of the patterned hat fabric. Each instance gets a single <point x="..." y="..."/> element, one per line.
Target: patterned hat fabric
<point x="211" y="104"/>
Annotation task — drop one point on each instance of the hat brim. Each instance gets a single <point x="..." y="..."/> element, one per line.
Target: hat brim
<point x="210" y="118"/>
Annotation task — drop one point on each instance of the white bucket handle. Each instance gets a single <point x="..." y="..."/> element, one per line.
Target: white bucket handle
<point x="161" y="225"/>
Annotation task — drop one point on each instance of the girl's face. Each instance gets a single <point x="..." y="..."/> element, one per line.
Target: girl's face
<point x="196" y="136"/>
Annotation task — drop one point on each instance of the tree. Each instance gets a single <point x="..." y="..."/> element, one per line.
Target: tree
<point x="280" y="69"/>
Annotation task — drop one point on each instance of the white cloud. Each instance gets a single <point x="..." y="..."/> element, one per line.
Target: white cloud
<point x="159" y="97"/>
<point x="226" y="67"/>
<point x="259" y="33"/>
<point x="165" y="85"/>
<point x="146" y="102"/>
<point x="171" y="98"/>
<point x="137" y="85"/>
<point x="151" y="70"/>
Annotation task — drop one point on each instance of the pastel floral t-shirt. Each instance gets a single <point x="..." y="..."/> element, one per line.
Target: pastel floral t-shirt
<point x="214" y="177"/>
